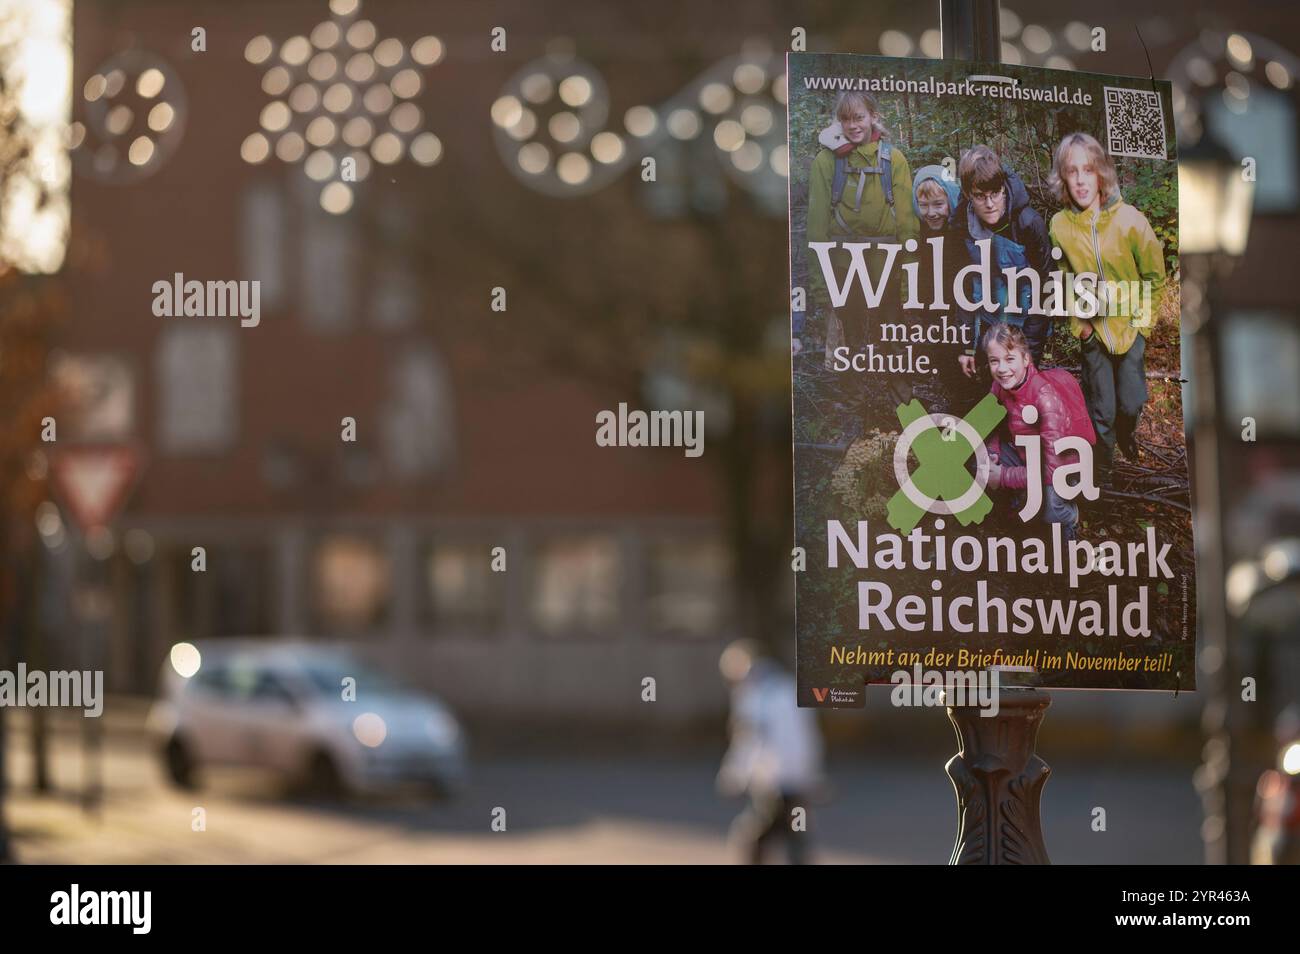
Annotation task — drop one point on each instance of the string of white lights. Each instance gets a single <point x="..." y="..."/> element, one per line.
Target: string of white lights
<point x="549" y="121"/>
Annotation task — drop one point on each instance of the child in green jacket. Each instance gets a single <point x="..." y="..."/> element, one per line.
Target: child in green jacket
<point x="874" y="203"/>
<point x="1099" y="232"/>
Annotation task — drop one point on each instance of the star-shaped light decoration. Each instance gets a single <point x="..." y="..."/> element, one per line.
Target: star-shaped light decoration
<point x="340" y="93"/>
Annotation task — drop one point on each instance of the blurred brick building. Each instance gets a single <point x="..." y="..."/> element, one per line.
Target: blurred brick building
<point x="617" y="564"/>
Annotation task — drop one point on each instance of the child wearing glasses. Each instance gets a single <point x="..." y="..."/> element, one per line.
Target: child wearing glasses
<point x="995" y="206"/>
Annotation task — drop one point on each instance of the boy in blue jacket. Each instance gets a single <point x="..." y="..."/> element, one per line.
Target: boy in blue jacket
<point x="995" y="205"/>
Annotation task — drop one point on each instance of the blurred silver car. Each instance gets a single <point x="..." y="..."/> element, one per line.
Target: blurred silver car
<point x="309" y="713"/>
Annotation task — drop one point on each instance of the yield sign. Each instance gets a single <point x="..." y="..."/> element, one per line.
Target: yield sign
<point x="94" y="481"/>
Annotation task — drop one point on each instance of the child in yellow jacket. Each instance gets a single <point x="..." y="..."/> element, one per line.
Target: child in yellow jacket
<point x="1100" y="233"/>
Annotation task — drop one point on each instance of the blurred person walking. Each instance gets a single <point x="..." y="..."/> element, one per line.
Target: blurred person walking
<point x="774" y="757"/>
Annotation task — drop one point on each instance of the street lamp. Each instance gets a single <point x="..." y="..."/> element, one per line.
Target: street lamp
<point x="1214" y="200"/>
<point x="1214" y="205"/>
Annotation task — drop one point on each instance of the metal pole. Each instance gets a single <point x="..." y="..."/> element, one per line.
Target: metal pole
<point x="996" y="774"/>
<point x="1225" y="791"/>
<point x="971" y="30"/>
<point x="92" y="599"/>
<point x="999" y="780"/>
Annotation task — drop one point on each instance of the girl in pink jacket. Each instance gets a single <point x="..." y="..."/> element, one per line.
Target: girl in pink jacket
<point x="1060" y="410"/>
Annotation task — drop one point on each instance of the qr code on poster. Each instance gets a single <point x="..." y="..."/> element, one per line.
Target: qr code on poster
<point x="1135" y="123"/>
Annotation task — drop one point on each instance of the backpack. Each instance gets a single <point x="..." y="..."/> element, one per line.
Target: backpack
<point x="832" y="138"/>
<point x="883" y="169"/>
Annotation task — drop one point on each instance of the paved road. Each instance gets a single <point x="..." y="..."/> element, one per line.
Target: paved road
<point x="654" y="809"/>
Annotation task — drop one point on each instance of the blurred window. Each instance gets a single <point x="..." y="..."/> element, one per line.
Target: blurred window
<point x="351" y="583"/>
<point x="99" y="390"/>
<point x="242" y="677"/>
<point x="232" y="598"/>
<point x="213" y="679"/>
<point x="242" y="578"/>
<point x="394" y="289"/>
<point x="327" y="679"/>
<point x="262" y="240"/>
<point x="270" y="688"/>
<point x="419" y="426"/>
<point x="462" y="591"/>
<point x="1261" y="125"/>
<point x="688" y="588"/>
<point x="576" y="586"/>
<point x="329" y="262"/>
<point x="1261" y="372"/>
<point x="198" y="382"/>
<point x="246" y="678"/>
<point x="394" y="295"/>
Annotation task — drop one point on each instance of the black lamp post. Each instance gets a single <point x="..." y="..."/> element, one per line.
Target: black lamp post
<point x="1214" y="220"/>
<point x="997" y="776"/>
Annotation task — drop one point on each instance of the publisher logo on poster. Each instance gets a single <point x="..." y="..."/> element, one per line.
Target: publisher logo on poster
<point x="837" y="697"/>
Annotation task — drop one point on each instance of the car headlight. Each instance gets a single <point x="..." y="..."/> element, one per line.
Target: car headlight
<point x="370" y="730"/>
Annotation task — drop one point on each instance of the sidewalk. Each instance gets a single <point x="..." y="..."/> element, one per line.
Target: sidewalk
<point x="56" y="832"/>
<point x="635" y="807"/>
<point x="557" y="812"/>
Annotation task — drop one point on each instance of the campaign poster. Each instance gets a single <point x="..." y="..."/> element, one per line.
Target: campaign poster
<point x="990" y="466"/>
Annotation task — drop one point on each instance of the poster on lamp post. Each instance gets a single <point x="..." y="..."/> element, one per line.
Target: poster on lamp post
<point x="990" y="469"/>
